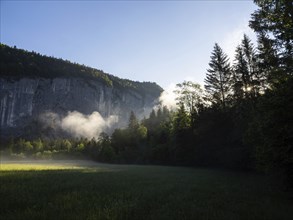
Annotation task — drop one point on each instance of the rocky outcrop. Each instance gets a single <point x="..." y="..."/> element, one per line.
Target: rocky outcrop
<point x="24" y="100"/>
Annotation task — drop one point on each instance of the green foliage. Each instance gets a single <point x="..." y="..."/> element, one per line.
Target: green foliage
<point x="158" y="139"/>
<point x="80" y="147"/>
<point x="106" y="152"/>
<point x="38" y="145"/>
<point x="128" y="143"/>
<point x="18" y="63"/>
<point x="142" y="132"/>
<point x="191" y="96"/>
<point x="19" y="146"/>
<point x="181" y="119"/>
<point x="28" y="147"/>
<point x="66" y="145"/>
<point x="133" y="122"/>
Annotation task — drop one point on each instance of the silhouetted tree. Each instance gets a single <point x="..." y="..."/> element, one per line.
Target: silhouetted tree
<point x="247" y="77"/>
<point x="274" y="20"/>
<point x="218" y="77"/>
<point x="267" y="60"/>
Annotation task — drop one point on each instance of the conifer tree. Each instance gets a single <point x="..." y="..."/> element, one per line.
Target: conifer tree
<point x="133" y="122"/>
<point x="239" y="75"/>
<point x="181" y="119"/>
<point x="274" y="20"/>
<point x="218" y="77"/>
<point x="246" y="74"/>
<point x="267" y="59"/>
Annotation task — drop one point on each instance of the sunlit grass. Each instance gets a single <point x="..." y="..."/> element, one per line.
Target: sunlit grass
<point x="39" y="167"/>
<point x="82" y="166"/>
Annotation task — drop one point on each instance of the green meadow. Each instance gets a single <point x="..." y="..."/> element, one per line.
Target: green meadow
<point x="87" y="190"/>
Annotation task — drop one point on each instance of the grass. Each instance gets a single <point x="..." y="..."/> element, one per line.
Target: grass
<point x="67" y="190"/>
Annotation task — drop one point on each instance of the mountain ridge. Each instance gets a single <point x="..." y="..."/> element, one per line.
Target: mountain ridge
<point x="32" y="85"/>
<point x="18" y="63"/>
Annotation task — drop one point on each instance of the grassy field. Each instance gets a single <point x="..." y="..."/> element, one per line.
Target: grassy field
<point x="86" y="190"/>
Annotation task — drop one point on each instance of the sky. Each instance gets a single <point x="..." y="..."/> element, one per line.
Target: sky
<point x="165" y="42"/>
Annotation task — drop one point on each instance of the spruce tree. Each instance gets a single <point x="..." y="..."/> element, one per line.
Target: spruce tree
<point x="218" y="77"/>
<point x="239" y="75"/>
<point x="246" y="73"/>
<point x="267" y="59"/>
<point x="274" y="20"/>
<point x="133" y="122"/>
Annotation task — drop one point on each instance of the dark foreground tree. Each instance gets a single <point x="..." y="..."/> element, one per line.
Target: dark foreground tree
<point x="271" y="132"/>
<point x="274" y="20"/>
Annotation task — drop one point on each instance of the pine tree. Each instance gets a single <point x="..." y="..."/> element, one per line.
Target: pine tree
<point x="133" y="122"/>
<point x="267" y="59"/>
<point x="239" y="74"/>
<point x="181" y="119"/>
<point x="274" y="20"/>
<point x="271" y="128"/>
<point x="218" y="77"/>
<point x="246" y="74"/>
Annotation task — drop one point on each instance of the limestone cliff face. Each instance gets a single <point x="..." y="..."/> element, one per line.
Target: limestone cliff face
<point x="25" y="99"/>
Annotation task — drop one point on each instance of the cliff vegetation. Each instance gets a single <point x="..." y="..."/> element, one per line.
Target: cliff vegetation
<point x="18" y="63"/>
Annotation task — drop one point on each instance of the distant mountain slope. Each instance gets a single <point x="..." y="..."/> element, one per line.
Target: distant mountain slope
<point x="19" y="63"/>
<point x="32" y="85"/>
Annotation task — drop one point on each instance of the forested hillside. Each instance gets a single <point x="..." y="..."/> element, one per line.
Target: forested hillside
<point x="18" y="63"/>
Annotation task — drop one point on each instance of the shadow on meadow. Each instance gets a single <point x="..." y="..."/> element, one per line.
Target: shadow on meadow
<point x="140" y="192"/>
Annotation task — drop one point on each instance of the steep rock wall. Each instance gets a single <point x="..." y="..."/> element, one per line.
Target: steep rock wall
<point x="24" y="100"/>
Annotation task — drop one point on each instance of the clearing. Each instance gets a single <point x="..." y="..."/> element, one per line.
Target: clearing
<point x="88" y="190"/>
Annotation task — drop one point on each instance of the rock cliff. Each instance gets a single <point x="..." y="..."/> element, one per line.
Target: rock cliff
<point x="23" y="99"/>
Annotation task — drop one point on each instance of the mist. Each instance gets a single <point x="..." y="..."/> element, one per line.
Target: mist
<point x="80" y="125"/>
<point x="168" y="97"/>
<point x="89" y="126"/>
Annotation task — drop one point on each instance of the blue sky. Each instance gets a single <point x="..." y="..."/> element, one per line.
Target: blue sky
<point x="161" y="41"/>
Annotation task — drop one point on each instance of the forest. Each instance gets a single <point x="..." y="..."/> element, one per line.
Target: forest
<point x="242" y="119"/>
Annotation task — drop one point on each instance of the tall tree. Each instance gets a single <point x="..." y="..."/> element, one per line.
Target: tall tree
<point x="246" y="74"/>
<point x="271" y="130"/>
<point x="133" y="122"/>
<point x="218" y="77"/>
<point x="267" y="59"/>
<point x="240" y="73"/>
<point x="274" y="19"/>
